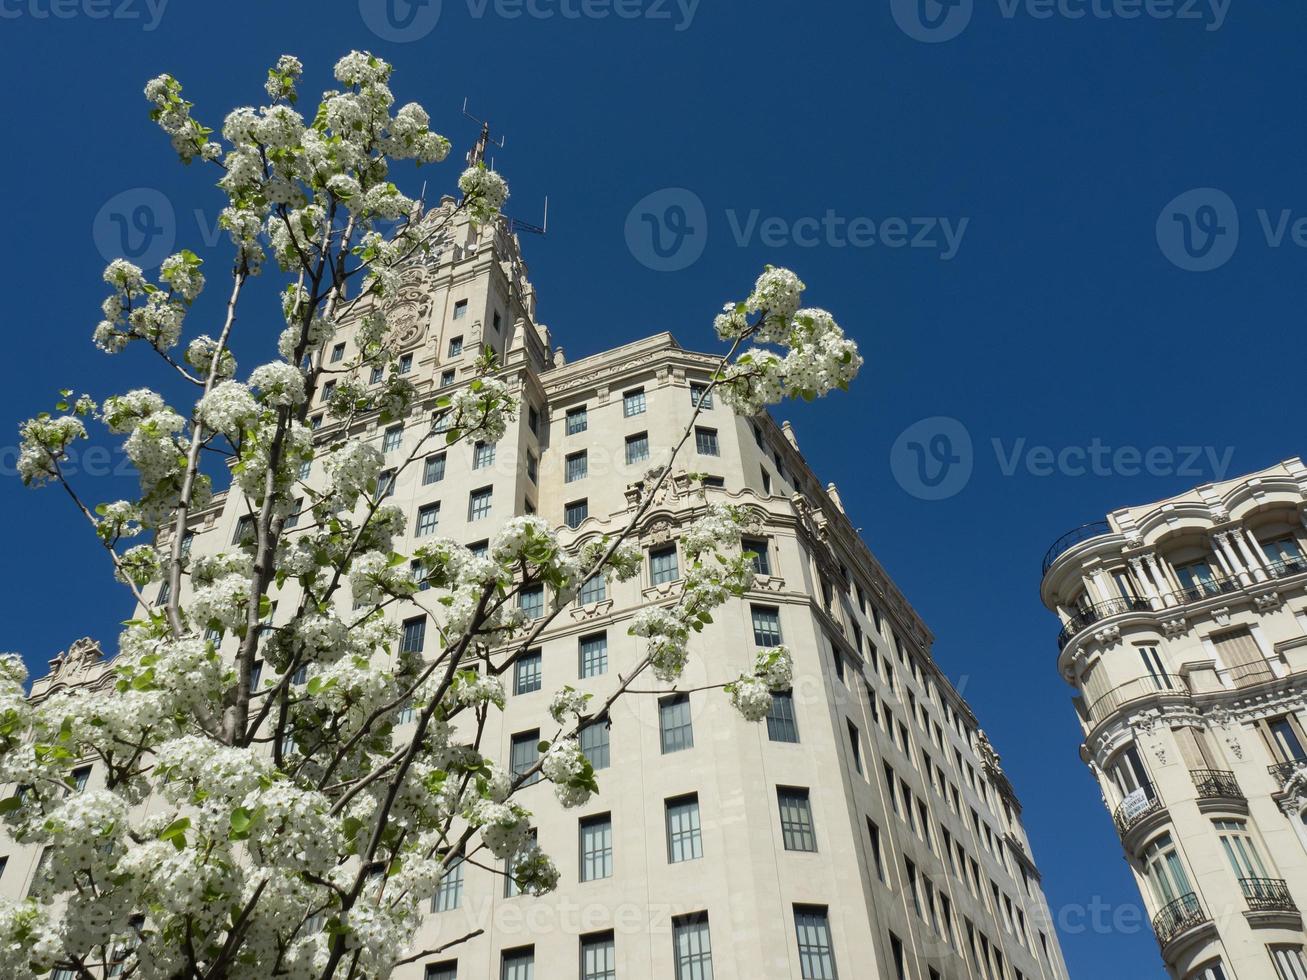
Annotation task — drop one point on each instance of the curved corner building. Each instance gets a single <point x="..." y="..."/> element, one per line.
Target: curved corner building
<point x="1184" y="633"/>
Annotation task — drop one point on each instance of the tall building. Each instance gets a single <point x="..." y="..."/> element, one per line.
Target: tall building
<point x="1184" y="633"/>
<point x="864" y="830"/>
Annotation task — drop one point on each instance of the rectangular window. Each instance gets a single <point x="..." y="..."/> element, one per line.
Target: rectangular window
<point x="700" y="396"/>
<point x="637" y="448"/>
<point x="598" y="958"/>
<point x="684" y="839"/>
<point x="414" y="635"/>
<point x="766" y="481"/>
<point x="690" y="940"/>
<point x="533" y="420"/>
<point x="337" y="353"/>
<point x="900" y="958"/>
<point x="385" y="484"/>
<point x="406" y="364"/>
<point x="81" y="776"/>
<point x="328" y="390"/>
<point x="796" y="819"/>
<point x="526" y="673"/>
<point x="495" y="321"/>
<point x="633" y="403"/>
<point x="662" y="564"/>
<point x="428" y="519"/>
<point x="855" y="746"/>
<point x="594" y="741"/>
<point x="523" y="754"/>
<point x="393" y="439"/>
<point x="483" y="455"/>
<point x="519" y="964"/>
<point x="597" y="847"/>
<point x="705" y="442"/>
<point x="532" y="601"/>
<point x="877" y="855"/>
<point x="576" y="466"/>
<point x="576" y="512"/>
<point x="674" y="723"/>
<point x="532" y="467"/>
<point x="441" y="971"/>
<point x="447" y="377"/>
<point x="460" y="309"/>
<point x="766" y="625"/>
<point x="478" y="505"/>
<point x="449" y="893"/>
<point x="577" y="420"/>
<point x="761" y="554"/>
<point x="594" y="655"/>
<point x="816" y="956"/>
<point x="595" y="589"/>
<point x="1289" y="962"/>
<point x="455" y="346"/>
<point x="781" y="723"/>
<point x="244" y="529"/>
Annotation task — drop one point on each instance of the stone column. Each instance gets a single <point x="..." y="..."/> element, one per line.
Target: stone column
<point x="1244" y="538"/>
<point x="1227" y="551"/>
<point x="1145" y="581"/>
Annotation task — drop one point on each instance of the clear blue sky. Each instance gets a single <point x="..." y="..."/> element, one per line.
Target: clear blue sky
<point x="1055" y="318"/>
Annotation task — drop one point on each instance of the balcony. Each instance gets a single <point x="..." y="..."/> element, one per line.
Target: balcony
<point x="1216" y="784"/>
<point x="1072" y="538"/>
<point x="1207" y="589"/>
<point x="1139" y="689"/>
<point x="1085" y="617"/>
<point x="1267" y="895"/>
<point x="1286" y="567"/>
<point x="1282" y="771"/>
<point x="1134" y="810"/>
<point x="1183" y="915"/>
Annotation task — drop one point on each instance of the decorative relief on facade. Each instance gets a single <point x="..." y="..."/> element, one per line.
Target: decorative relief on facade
<point x="1176" y="626"/>
<point x="593" y="611"/>
<point x="1268" y="601"/>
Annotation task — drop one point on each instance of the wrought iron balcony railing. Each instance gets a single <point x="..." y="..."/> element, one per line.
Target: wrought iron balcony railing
<point x="1286" y="567"/>
<point x="1180" y="916"/>
<point x="1087" y="616"/>
<point x="1206" y="589"/>
<point x="1072" y="538"/>
<point x="1281" y="771"/>
<point x="1133" y="810"/>
<point x="1216" y="784"/>
<point x="1267" y="895"/>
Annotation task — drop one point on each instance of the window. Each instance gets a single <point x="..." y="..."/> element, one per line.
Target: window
<point x="690" y="940"/>
<point x="293" y="518"/>
<point x="662" y="565"/>
<point x="376" y="375"/>
<point x="385" y="484"/>
<point x="483" y="455"/>
<point x="1288" y="962"/>
<point x="816" y="957"/>
<point x="633" y="403"/>
<point x="674" y="725"/>
<point x="478" y="505"/>
<point x="479" y="548"/>
<point x="526" y="673"/>
<point x="1166" y="875"/>
<point x="165" y="593"/>
<point x="1241" y="851"/>
<point x="766" y="626"/>
<point x="766" y="481"/>
<point x="761" y="556"/>
<point x="595" y="589"/>
<point x="533" y="420"/>
<point x="80" y="776"/>
<point x="495" y="321"/>
<point x="428" y="519"/>
<point x="700" y="396"/>
<point x="447" y="377"/>
<point x="594" y="655"/>
<point x="441" y="971"/>
<point x="877" y="855"/>
<point x="433" y="469"/>
<point x="316" y="421"/>
<point x="637" y="448"/>
<point x="593" y="739"/>
<point x="576" y="466"/>
<point x="406" y="364"/>
<point x="393" y="438"/>
<point x="328" y="390"/>
<point x="597" y="847"/>
<point x="796" y="819"/>
<point x="900" y="960"/>
<point x="524" y="753"/>
<point x="781" y="723"/>
<point x="532" y="467"/>
<point x="414" y="635"/>
<point x="598" y="959"/>
<point x="455" y="346"/>
<point x="684" y="840"/>
<point x="576" y="512"/>
<point x="705" y="442"/>
<point x="855" y="746"/>
<point x="460" y="309"/>
<point x="244" y="529"/>
<point x="1285" y="739"/>
<point x="449" y="893"/>
<point x="577" y="420"/>
<point x="337" y="353"/>
<point x="518" y="964"/>
<point x="532" y="601"/>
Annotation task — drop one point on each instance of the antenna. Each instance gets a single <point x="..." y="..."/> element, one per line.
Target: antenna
<point x="478" y="152"/>
<point x="517" y="224"/>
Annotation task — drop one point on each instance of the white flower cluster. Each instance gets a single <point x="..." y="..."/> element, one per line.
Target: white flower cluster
<point x="568" y="701"/>
<point x="200" y="355"/>
<point x="43" y="443"/>
<point x="481" y="411"/>
<point x="484" y="192"/>
<point x="228" y="409"/>
<point x="135" y="310"/>
<point x="570" y="771"/>
<point x="279" y="383"/>
<point x="751" y="694"/>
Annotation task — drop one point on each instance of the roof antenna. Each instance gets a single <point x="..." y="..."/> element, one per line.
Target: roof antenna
<point x="477" y="155"/>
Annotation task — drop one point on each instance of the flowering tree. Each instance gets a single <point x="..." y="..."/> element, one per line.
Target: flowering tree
<point x="296" y="829"/>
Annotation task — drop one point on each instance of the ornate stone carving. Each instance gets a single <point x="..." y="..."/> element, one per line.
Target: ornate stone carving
<point x="1108" y="635"/>
<point x="1176" y="626"/>
<point x="592" y="611"/>
<point x="1268" y="601"/>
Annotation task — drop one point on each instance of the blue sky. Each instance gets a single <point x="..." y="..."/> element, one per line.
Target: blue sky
<point x="993" y="200"/>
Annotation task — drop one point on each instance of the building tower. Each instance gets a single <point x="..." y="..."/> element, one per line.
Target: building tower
<point x="864" y="830"/>
<point x="1184" y="633"/>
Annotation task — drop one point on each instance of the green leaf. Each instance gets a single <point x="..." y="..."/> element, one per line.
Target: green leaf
<point x="176" y="832"/>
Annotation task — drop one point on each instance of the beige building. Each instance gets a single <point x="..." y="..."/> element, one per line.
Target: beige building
<point x="864" y="830"/>
<point x="1185" y="635"/>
